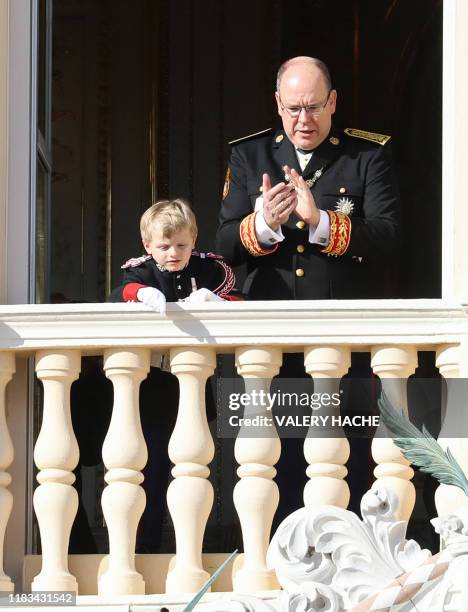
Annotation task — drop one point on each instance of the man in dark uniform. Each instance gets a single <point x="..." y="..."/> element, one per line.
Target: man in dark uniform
<point x="338" y="242"/>
<point x="342" y="245"/>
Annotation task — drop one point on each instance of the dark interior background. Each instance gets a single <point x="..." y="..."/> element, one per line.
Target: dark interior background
<point x="147" y="94"/>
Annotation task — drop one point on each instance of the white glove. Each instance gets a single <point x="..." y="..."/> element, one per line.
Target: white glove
<point x="152" y="297"/>
<point x="203" y="295"/>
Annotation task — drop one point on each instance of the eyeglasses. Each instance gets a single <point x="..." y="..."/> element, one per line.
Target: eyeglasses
<point x="314" y="109"/>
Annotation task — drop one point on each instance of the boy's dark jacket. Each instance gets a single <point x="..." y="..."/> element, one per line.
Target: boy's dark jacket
<point x="204" y="270"/>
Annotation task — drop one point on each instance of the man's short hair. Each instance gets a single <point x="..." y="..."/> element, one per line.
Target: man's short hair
<point x="304" y="59"/>
<point x="171" y="216"/>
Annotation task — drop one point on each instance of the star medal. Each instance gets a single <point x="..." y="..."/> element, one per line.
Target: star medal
<point x="345" y="206"/>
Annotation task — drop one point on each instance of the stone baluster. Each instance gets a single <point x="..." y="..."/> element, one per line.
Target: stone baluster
<point x="56" y="455"/>
<point x="393" y="364"/>
<point x="449" y="360"/>
<point x="326" y="456"/>
<point x="191" y="449"/>
<point x="7" y="369"/>
<point x="124" y="454"/>
<point x="256" y="495"/>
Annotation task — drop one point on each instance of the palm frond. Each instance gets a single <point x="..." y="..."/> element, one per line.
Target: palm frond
<point x="396" y="422"/>
<point x="193" y="602"/>
<point x="421" y="448"/>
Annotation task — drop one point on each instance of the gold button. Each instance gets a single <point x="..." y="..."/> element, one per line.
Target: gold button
<point x="279" y="138"/>
<point x="300" y="248"/>
<point x="299" y="272"/>
<point x="300" y="225"/>
<point x="260" y="188"/>
<point x="342" y="189"/>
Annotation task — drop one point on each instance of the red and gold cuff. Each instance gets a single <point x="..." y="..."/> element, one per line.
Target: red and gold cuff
<point x="249" y="237"/>
<point x="340" y="233"/>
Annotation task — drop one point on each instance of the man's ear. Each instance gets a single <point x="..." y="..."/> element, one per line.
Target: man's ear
<point x="333" y="97"/>
<point x="194" y="239"/>
<point x="146" y="246"/>
<point x="278" y="103"/>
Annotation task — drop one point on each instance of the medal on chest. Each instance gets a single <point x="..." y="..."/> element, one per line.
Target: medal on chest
<point x="345" y="206"/>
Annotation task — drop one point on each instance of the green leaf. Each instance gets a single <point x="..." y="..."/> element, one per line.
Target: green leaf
<point x="421" y="449"/>
<point x="193" y="602"/>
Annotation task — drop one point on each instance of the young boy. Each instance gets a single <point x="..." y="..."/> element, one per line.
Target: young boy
<point x="172" y="271"/>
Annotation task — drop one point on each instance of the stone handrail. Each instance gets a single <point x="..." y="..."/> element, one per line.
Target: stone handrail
<point x="358" y="323"/>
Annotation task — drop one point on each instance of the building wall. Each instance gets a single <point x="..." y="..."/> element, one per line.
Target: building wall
<point x="4" y="42"/>
<point x="14" y="247"/>
<point x="18" y="137"/>
<point x="456" y="112"/>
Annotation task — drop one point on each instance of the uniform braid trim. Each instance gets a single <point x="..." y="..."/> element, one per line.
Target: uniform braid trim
<point x="249" y="238"/>
<point x="340" y="233"/>
<point x="228" y="281"/>
<point x="135" y="261"/>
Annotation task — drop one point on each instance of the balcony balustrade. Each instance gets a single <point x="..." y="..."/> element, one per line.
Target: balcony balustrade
<point x="258" y="333"/>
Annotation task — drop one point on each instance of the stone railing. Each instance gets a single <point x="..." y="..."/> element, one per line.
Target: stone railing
<point x="258" y="333"/>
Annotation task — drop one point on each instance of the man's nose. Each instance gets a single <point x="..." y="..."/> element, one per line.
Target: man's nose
<point x="304" y="116"/>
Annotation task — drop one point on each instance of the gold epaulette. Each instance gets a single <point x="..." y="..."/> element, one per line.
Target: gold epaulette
<point x="380" y="139"/>
<point x="249" y="137"/>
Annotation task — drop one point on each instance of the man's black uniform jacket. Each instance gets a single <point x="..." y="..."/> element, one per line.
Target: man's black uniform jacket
<point x="357" y="173"/>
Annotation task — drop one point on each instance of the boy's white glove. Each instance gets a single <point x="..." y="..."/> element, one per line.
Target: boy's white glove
<point x="152" y="297"/>
<point x="203" y="295"/>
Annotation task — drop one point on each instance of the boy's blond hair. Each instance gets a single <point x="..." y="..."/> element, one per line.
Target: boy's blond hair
<point x="171" y="215"/>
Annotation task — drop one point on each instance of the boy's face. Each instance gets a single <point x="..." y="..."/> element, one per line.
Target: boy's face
<point x="171" y="252"/>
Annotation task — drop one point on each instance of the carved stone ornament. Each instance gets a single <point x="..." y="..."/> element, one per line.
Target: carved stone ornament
<point x="452" y="594"/>
<point x="239" y="603"/>
<point x="310" y="597"/>
<point x="334" y="547"/>
<point x="329" y="560"/>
